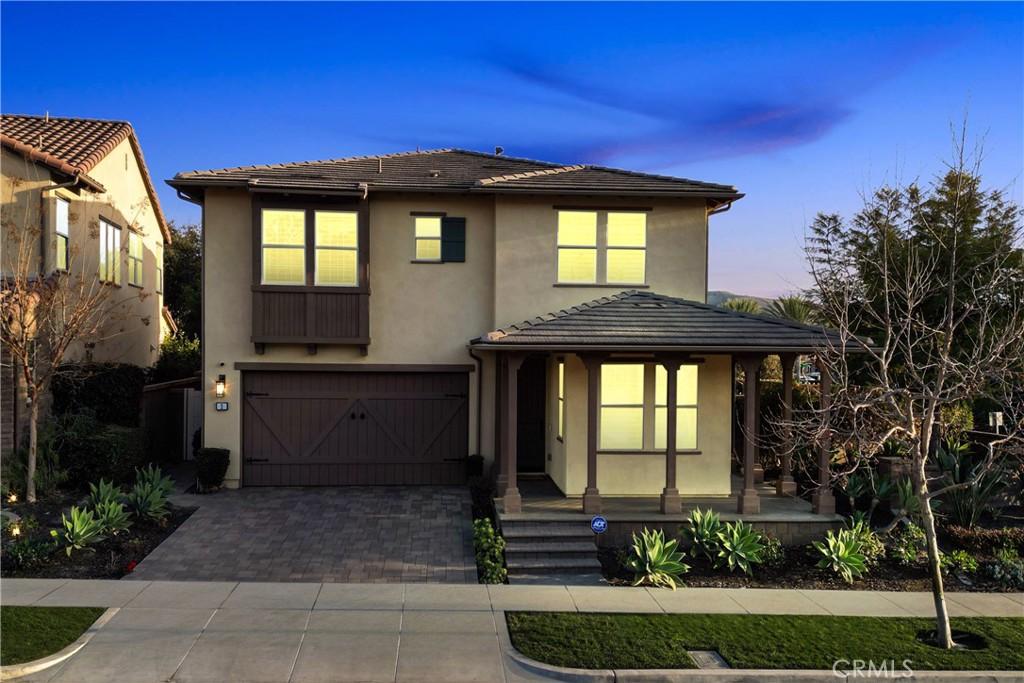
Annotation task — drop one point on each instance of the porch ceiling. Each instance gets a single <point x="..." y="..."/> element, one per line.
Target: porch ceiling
<point x="646" y="321"/>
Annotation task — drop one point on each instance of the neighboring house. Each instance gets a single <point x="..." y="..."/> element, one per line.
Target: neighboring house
<point x="362" y="323"/>
<point x="83" y="184"/>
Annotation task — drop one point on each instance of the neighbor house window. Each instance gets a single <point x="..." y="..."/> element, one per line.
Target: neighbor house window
<point x="110" y="253"/>
<point x="622" y="407"/>
<point x="283" y="241"/>
<point x="135" y="259"/>
<point x="561" y="399"/>
<point x="159" y="267"/>
<point x="577" y="247"/>
<point x="602" y="247"/>
<point x="428" y="238"/>
<point x="634" y="410"/>
<point x="686" y="407"/>
<point x="62" y="224"/>
<point x="337" y="248"/>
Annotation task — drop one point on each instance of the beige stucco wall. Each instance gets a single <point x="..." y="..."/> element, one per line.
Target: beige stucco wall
<point x="427" y="313"/>
<point x="706" y="473"/>
<point x="420" y="313"/>
<point x="526" y="254"/>
<point x="132" y="333"/>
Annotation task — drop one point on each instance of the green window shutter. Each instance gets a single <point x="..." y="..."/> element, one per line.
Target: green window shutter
<point x="453" y="239"/>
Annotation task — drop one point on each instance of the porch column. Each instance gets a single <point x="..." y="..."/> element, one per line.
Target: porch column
<point x="823" y="502"/>
<point x="500" y="401"/>
<point x="748" y="502"/>
<point x="786" y="485"/>
<point x="671" y="503"/>
<point x="591" y="496"/>
<point x="513" y="501"/>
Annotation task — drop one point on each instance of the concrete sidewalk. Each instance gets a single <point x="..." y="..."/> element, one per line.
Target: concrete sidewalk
<point x="293" y="632"/>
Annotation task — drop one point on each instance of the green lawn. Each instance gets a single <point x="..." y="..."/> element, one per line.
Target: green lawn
<point x="660" y="641"/>
<point x="33" y="632"/>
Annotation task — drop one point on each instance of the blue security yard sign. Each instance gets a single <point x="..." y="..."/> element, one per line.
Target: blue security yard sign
<point x="598" y="524"/>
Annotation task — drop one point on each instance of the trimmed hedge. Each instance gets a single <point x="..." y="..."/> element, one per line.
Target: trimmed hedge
<point x="211" y="466"/>
<point x="90" y="450"/>
<point x="985" y="541"/>
<point x="113" y="391"/>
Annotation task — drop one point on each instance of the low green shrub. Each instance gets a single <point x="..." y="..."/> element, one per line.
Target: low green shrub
<point x="701" y="532"/>
<point x="91" y="449"/>
<point x="104" y="492"/>
<point x="113" y="517"/>
<point x="81" y="530"/>
<point x="739" y="546"/>
<point x="985" y="541"/>
<point x="655" y="561"/>
<point x="26" y="553"/>
<point x="1006" y="568"/>
<point x="841" y="552"/>
<point x="958" y="562"/>
<point x="906" y="544"/>
<point x="211" y="466"/>
<point x="490" y="552"/>
<point x="774" y="553"/>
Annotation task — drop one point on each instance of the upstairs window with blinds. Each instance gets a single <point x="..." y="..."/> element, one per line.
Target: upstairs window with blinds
<point x="110" y="253"/>
<point x="63" y="219"/>
<point x="602" y="247"/>
<point x="283" y="244"/>
<point x="135" y="259"/>
<point x="337" y="248"/>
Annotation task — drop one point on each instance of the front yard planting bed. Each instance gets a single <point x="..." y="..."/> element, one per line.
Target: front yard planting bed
<point x="660" y="641"/>
<point x="111" y="558"/>
<point x="31" y="633"/>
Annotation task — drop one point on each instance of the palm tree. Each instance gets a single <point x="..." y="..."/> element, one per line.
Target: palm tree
<point x="742" y="305"/>
<point x="794" y="308"/>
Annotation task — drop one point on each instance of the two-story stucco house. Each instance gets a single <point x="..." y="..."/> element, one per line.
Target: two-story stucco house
<point x="375" y="320"/>
<point x="79" y="192"/>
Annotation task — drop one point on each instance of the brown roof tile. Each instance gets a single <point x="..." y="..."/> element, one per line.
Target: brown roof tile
<point x="453" y="170"/>
<point x="73" y="146"/>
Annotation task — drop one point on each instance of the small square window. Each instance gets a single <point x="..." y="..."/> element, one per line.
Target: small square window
<point x="428" y="238"/>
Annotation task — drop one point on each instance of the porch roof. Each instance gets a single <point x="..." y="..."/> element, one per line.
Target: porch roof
<point x="646" y="321"/>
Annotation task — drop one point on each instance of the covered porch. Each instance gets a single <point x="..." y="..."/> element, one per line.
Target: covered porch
<point x="688" y="446"/>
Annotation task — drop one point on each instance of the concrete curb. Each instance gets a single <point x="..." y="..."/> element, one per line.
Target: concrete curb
<point x="558" y="673"/>
<point x="18" y="670"/>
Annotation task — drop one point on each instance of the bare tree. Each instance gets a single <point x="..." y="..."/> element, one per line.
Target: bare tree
<point x="47" y="317"/>
<point x="926" y="292"/>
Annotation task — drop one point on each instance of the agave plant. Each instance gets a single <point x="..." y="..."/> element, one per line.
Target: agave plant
<point x="112" y="517"/>
<point x="655" y="561"/>
<point x="870" y="544"/>
<point x="153" y="478"/>
<point x="147" y="501"/>
<point x="701" y="533"/>
<point x="979" y="488"/>
<point x="858" y="484"/>
<point x="80" y="530"/>
<point x="104" y="492"/>
<point x="841" y="552"/>
<point x="740" y="545"/>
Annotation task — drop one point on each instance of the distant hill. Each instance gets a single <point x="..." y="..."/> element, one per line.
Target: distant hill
<point x="717" y="298"/>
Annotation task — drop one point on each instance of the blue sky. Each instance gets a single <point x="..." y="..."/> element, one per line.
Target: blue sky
<point x="802" y="106"/>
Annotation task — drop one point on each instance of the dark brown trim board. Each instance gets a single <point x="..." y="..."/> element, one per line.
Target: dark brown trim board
<point x="354" y="367"/>
<point x="590" y="207"/>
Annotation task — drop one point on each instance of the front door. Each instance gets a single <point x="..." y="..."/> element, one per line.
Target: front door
<point x="530" y="412"/>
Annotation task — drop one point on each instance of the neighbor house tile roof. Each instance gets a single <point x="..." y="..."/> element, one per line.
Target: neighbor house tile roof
<point x="452" y="170"/>
<point x="73" y="147"/>
<point x="636" y="320"/>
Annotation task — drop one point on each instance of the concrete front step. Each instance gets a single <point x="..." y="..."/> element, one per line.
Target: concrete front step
<point x="548" y="546"/>
<point x="541" y="531"/>
<point x="549" y="565"/>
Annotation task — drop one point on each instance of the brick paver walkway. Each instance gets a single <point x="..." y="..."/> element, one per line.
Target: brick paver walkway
<point x="347" y="534"/>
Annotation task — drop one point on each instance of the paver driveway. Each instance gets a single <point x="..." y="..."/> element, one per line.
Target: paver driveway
<point x="346" y="534"/>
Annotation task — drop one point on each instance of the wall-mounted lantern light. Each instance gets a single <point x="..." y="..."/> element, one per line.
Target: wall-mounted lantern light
<point x="220" y="386"/>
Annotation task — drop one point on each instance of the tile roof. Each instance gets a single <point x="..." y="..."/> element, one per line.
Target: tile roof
<point x="641" y="319"/>
<point x="73" y="146"/>
<point x="452" y="170"/>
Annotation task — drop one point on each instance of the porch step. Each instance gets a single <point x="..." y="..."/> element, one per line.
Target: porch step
<point x="542" y="530"/>
<point x="550" y="549"/>
<point x="551" y="565"/>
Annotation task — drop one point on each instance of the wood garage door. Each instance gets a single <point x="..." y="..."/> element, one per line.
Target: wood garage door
<point x="337" y="428"/>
